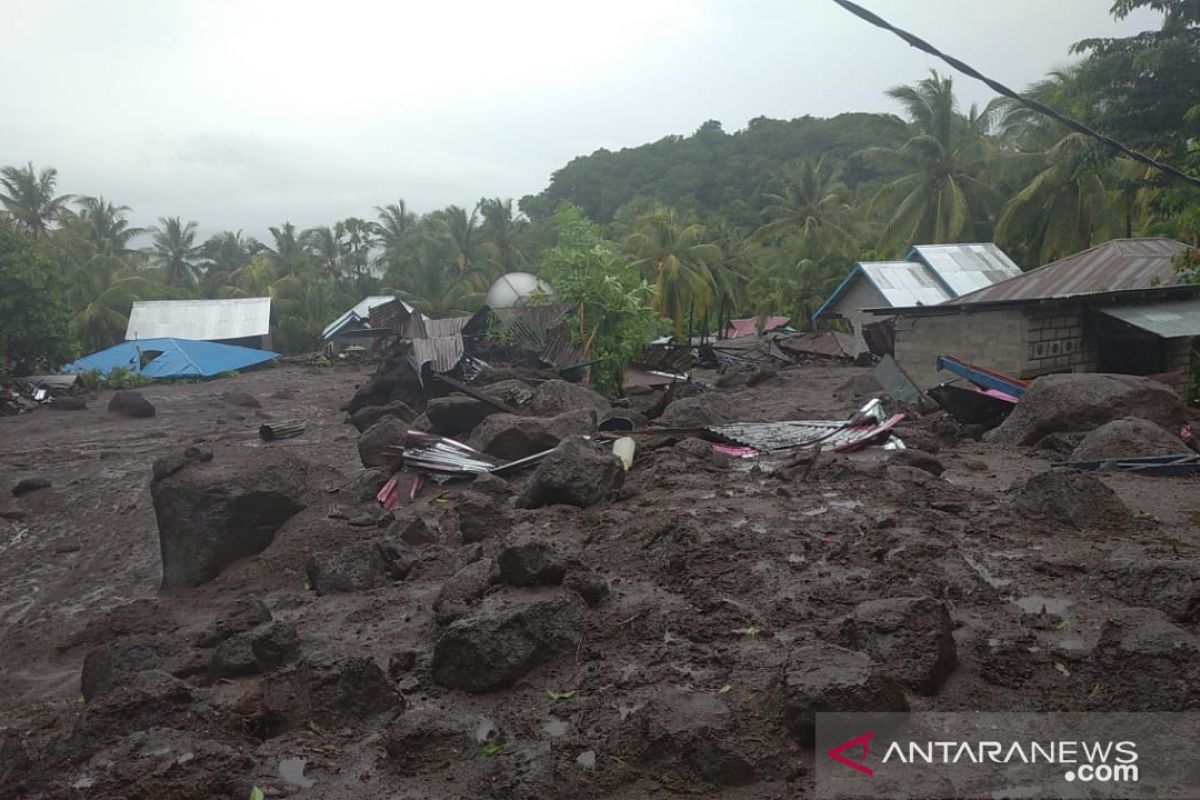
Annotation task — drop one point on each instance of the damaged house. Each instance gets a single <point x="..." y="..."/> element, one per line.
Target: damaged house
<point x="1117" y="307"/>
<point x="929" y="275"/>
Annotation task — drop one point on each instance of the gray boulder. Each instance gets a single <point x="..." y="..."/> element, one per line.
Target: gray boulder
<point x="506" y="638"/>
<point x="702" y="410"/>
<point x="1073" y="498"/>
<point x="211" y="514"/>
<point x="911" y="638"/>
<point x="456" y="414"/>
<point x="385" y="433"/>
<point x="462" y="590"/>
<point x="1169" y="585"/>
<point x="577" y="473"/>
<point x="531" y="563"/>
<point x="131" y="404"/>
<point x="558" y="397"/>
<point x="360" y="566"/>
<point x="1130" y="437"/>
<point x="365" y="417"/>
<point x="1085" y="401"/>
<point x="509" y="437"/>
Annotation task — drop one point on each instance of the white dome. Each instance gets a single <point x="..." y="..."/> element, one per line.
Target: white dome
<point x="513" y="290"/>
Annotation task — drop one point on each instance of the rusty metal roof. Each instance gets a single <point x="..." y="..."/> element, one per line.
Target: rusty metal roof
<point x="1115" y="266"/>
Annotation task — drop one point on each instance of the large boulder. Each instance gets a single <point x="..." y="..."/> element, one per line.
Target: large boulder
<point x="821" y="677"/>
<point x="1130" y="437"/>
<point x="699" y="411"/>
<point x="516" y="393"/>
<point x="456" y="414"/>
<point x="1146" y="663"/>
<point x="385" y="433"/>
<point x="211" y="513"/>
<point x="1085" y="401"/>
<point x="1169" y="585"/>
<point x="911" y="638"/>
<point x="577" y="473"/>
<point x="1073" y="498"/>
<point x="329" y="691"/>
<point x="557" y="397"/>
<point x="360" y="566"/>
<point x="367" y="416"/>
<point x="506" y="638"/>
<point x="131" y="404"/>
<point x="510" y="437"/>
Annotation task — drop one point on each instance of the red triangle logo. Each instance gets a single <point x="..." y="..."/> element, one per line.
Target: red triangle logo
<point x="836" y="753"/>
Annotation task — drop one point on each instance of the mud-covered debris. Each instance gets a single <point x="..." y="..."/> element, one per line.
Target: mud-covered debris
<point x="1129" y="437"/>
<point x="274" y="645"/>
<point x="68" y="404"/>
<point x="481" y="516"/>
<point x="364" y="486"/>
<point x="462" y="590"/>
<point x="386" y="433"/>
<point x="212" y="514"/>
<point x="1072" y="498"/>
<point x="232" y="658"/>
<point x="917" y="459"/>
<point x="27" y="485"/>
<point x="589" y="584"/>
<point x="702" y="410"/>
<point x="361" y="566"/>
<point x="531" y="563"/>
<point x="556" y="397"/>
<point x="911" y="640"/>
<point x="506" y="637"/>
<point x="692" y="730"/>
<point x="422" y="738"/>
<point x="1143" y="662"/>
<point x="576" y="473"/>
<point x="244" y="614"/>
<point x="490" y="483"/>
<point x="364" y="418"/>
<point x="455" y="415"/>
<point x="114" y="663"/>
<point x="131" y="404"/>
<point x="822" y="677"/>
<point x="410" y="528"/>
<point x="1169" y="585"/>
<point x="137" y="617"/>
<point x="1085" y="401"/>
<point x="240" y="399"/>
<point x="692" y="447"/>
<point x="327" y="691"/>
<point x="509" y="437"/>
<point x="142" y="701"/>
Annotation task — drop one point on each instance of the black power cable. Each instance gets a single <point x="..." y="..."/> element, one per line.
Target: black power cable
<point x="967" y="69"/>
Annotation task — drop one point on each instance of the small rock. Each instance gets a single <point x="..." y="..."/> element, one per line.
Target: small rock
<point x="531" y="563"/>
<point x="576" y="473"/>
<point x="328" y="691"/>
<point x="241" y="400"/>
<point x="27" y="485"/>
<point x="244" y="614"/>
<point x="911" y="638"/>
<point x="490" y="483"/>
<point x="589" y="584"/>
<point x="481" y="516"/>
<point x="401" y="662"/>
<point x="411" y="529"/>
<point x="115" y="662"/>
<point x="462" y="590"/>
<point x="365" y="485"/>
<point x="360" y="566"/>
<point x="506" y="638"/>
<point x="919" y="460"/>
<point x="131" y="404"/>
<point x="275" y="645"/>
<point x="821" y="677"/>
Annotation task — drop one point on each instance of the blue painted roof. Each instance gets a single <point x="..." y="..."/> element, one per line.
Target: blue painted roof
<point x="177" y="358"/>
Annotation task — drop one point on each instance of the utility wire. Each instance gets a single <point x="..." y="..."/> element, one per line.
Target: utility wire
<point x="967" y="69"/>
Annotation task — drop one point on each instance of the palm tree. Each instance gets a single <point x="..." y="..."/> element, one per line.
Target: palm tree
<point x="222" y="255"/>
<point x="327" y="248"/>
<point x="359" y="240"/>
<point x="105" y="227"/>
<point x="396" y="224"/>
<point x="460" y="230"/>
<point x="428" y="280"/>
<point x="679" y="259"/>
<point x="941" y="197"/>
<point x="810" y="205"/>
<point x="173" y="247"/>
<point x="502" y="231"/>
<point x="29" y="197"/>
<point x="288" y="254"/>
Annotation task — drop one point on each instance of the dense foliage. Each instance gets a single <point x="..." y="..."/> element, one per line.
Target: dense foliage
<point x="683" y="233"/>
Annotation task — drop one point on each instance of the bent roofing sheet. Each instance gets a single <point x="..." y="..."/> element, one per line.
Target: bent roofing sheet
<point x="177" y="358"/>
<point x="1115" y="266"/>
<point x="445" y="327"/>
<point x="905" y="283"/>
<point x="1168" y="320"/>
<point x="966" y="267"/>
<point x="444" y="352"/>
<point x="361" y="311"/>
<point x="749" y="327"/>
<point x="201" y="320"/>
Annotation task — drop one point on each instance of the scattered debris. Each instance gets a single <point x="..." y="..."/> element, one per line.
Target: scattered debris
<point x="273" y="431"/>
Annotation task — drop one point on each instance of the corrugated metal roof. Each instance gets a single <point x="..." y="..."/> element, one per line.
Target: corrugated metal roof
<point x="1115" y="266"/>
<point x="1168" y="320"/>
<point x="442" y="352"/>
<point x="360" y="312"/>
<point x="965" y="268"/>
<point x="905" y="283"/>
<point x="201" y="320"/>
<point x="749" y="326"/>
<point x="445" y="327"/>
<point x="833" y="344"/>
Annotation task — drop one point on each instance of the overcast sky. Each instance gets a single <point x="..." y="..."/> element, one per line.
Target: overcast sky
<point x="245" y="113"/>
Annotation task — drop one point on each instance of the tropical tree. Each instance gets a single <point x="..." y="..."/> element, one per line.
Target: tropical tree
<point x="502" y="231"/>
<point x="33" y="318"/>
<point x="173" y="248"/>
<point x="460" y="230"/>
<point x="286" y="252"/>
<point x="222" y="255"/>
<point x="810" y="205"/>
<point x="29" y="197"/>
<point x="328" y="250"/>
<point x="940" y="197"/>
<point x="360" y="238"/>
<point x="679" y="258"/>
<point x="105" y="228"/>
<point x="396" y="224"/>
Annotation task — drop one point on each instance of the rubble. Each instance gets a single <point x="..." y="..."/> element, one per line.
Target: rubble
<point x="910" y="638"/>
<point x="481" y="516"/>
<point x="131" y="404"/>
<point x="462" y="590"/>
<point x="1085" y="401"/>
<point x="361" y="566"/>
<point x="557" y="397"/>
<point x="1169" y="585"/>
<point x="576" y="473"/>
<point x="509" y="437"/>
<point x="531" y="563"/>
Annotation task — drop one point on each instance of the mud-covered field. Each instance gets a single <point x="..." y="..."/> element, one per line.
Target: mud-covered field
<point x="669" y="641"/>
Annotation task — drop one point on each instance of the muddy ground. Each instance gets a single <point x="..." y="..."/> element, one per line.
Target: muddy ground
<point x="674" y="684"/>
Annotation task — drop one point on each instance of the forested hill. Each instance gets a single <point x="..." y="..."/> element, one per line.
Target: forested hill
<point x="715" y="172"/>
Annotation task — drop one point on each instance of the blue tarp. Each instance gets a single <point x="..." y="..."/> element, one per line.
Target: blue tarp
<point x="177" y="358"/>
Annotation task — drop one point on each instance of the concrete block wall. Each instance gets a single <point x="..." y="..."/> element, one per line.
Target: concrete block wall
<point x="994" y="339"/>
<point x="1055" y="341"/>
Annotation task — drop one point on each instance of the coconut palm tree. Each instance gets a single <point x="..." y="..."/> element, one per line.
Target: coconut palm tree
<point x="104" y="225"/>
<point x="679" y="259"/>
<point x="222" y="255"/>
<point x="940" y="198"/>
<point x="396" y="223"/>
<point x="328" y="249"/>
<point x="502" y="230"/>
<point x="287" y="253"/>
<point x="29" y="197"/>
<point x="809" y="205"/>
<point x="173" y="248"/>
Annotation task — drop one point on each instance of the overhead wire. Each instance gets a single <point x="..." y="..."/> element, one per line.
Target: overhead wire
<point x="1041" y="108"/>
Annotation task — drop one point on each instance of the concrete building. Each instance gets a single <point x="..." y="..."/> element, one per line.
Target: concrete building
<point x="243" y="321"/>
<point x="929" y="275"/>
<point x="1116" y="307"/>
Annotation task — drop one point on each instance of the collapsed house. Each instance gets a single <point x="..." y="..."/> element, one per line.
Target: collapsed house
<point x="170" y="358"/>
<point x="242" y="321"/>
<point x="1118" y="307"/>
<point x="353" y="328"/>
<point x="929" y="275"/>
